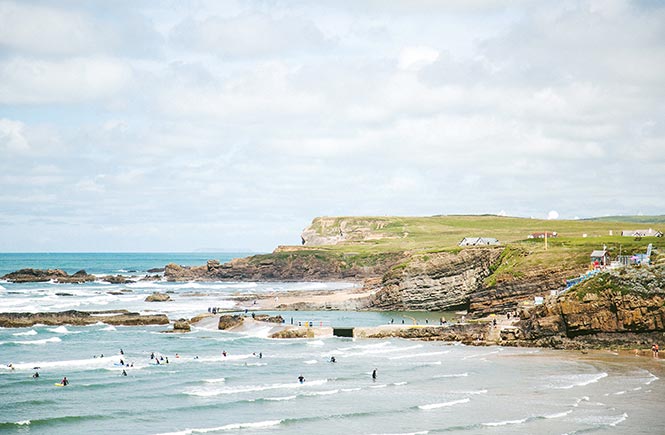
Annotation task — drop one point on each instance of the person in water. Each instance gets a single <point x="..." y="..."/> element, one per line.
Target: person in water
<point x="122" y="363"/>
<point x="152" y="355"/>
<point x="332" y="359"/>
<point x="301" y="378"/>
<point x="64" y="381"/>
<point x="36" y="375"/>
<point x="374" y="375"/>
<point x="223" y="353"/>
<point x="121" y="352"/>
<point x="124" y="373"/>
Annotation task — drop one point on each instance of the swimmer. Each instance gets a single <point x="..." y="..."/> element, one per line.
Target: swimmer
<point x="301" y="378"/>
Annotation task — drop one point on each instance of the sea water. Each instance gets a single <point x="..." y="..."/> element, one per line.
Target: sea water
<point x="421" y="387"/>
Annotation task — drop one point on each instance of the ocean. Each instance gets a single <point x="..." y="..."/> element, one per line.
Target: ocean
<point x="421" y="387"/>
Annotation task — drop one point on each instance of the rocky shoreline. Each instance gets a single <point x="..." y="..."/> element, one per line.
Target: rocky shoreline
<point x="81" y="318"/>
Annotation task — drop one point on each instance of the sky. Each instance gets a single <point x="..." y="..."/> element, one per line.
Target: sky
<point x="182" y="125"/>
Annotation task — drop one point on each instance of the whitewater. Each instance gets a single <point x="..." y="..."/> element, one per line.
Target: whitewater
<point x="421" y="387"/>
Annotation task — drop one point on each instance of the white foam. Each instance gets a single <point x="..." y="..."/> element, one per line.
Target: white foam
<point x="444" y="404"/>
<point x="416" y="355"/>
<point x="481" y="354"/>
<point x="399" y="383"/>
<point x="30" y="332"/>
<point x="581" y="380"/>
<point x="215" y="380"/>
<point x="321" y="393"/>
<point x="379" y="386"/>
<point x="208" y="392"/>
<point x="652" y="379"/>
<point x="311" y="361"/>
<point x="109" y="328"/>
<point x="315" y="343"/>
<point x="279" y="399"/>
<point x="23" y="422"/>
<point x="505" y="422"/>
<point x="473" y="392"/>
<point x="424" y="432"/>
<point x="620" y="420"/>
<point x="558" y="414"/>
<point x="348" y="390"/>
<point x="234" y="426"/>
<point x="453" y="375"/>
<point x="37" y="342"/>
<point x="60" y="330"/>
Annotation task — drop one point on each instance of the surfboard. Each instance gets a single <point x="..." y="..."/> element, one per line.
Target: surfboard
<point x="58" y="384"/>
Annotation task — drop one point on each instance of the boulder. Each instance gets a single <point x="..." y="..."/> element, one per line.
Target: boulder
<point x="181" y="325"/>
<point x="229" y="321"/>
<point x="158" y="297"/>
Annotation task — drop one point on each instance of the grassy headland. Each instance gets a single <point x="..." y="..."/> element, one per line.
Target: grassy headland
<point x="365" y="239"/>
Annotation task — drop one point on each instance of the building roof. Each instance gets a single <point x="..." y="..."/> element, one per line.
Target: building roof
<point x="475" y="241"/>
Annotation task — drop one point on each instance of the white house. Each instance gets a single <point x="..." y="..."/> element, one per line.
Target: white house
<point x="642" y="233"/>
<point x="478" y="241"/>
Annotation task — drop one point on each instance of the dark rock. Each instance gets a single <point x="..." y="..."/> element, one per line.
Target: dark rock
<point x="229" y="321"/>
<point x="121" y="317"/>
<point x="117" y="279"/>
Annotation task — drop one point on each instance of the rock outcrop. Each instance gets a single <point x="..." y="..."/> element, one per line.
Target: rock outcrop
<point x="57" y="275"/>
<point x="509" y="292"/>
<point x="80" y="318"/>
<point x="181" y="325"/>
<point x="438" y="281"/>
<point x="229" y="321"/>
<point x="335" y="230"/>
<point x="300" y="265"/>
<point x="158" y="297"/>
<point x="610" y="308"/>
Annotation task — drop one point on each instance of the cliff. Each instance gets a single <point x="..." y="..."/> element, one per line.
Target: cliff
<point x="298" y="265"/>
<point x="622" y="307"/>
<point x="436" y="281"/>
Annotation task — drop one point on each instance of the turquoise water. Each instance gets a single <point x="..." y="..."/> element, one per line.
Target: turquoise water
<point x="107" y="263"/>
<point x="421" y="387"/>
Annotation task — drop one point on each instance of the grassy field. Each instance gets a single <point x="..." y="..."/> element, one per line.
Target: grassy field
<point x="576" y="239"/>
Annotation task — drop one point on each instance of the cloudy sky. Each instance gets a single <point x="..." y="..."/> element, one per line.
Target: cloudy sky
<point x="177" y="125"/>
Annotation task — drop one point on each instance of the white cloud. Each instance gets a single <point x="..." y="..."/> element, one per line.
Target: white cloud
<point x="30" y="81"/>
<point x="415" y="58"/>
<point x="12" y="137"/>
<point x="250" y="34"/>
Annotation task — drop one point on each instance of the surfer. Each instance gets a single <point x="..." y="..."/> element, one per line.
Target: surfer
<point x="332" y="359"/>
<point x="121" y="352"/>
<point x="260" y="355"/>
<point x="124" y="373"/>
<point x="301" y="378"/>
<point x="374" y="375"/>
<point x="152" y="355"/>
<point x="64" y="381"/>
<point x="122" y="363"/>
<point x="224" y="353"/>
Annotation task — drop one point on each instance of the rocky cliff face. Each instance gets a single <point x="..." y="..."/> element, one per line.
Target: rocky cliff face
<point x="439" y="281"/>
<point x="604" y="308"/>
<point x="335" y="230"/>
<point x="287" y="266"/>
<point x="509" y="292"/>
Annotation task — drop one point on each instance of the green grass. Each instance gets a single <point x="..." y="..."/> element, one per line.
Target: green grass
<point x="424" y="236"/>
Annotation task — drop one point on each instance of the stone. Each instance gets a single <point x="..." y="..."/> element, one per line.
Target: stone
<point x="158" y="297"/>
<point x="73" y="317"/>
<point x="229" y="321"/>
<point x="181" y="325"/>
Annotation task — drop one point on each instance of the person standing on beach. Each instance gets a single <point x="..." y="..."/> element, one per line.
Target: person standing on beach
<point x="655" y="350"/>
